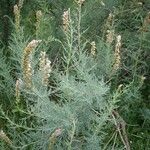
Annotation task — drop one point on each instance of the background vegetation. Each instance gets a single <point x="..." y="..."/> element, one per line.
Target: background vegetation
<point x="74" y="74"/>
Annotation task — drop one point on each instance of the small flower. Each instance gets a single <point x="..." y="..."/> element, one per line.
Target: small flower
<point x="66" y="20"/>
<point x="143" y="78"/>
<point x="33" y="44"/>
<point x="16" y="9"/>
<point x="102" y="3"/>
<point x="117" y="53"/>
<point x="80" y="2"/>
<point x="53" y="137"/>
<point x="140" y="3"/>
<point x="109" y="22"/>
<point x="48" y="70"/>
<point x="110" y="36"/>
<point x="120" y="87"/>
<point x="4" y="137"/>
<point x="57" y="132"/>
<point x="38" y="14"/>
<point x="42" y="60"/>
<point x="20" y="3"/>
<point x="93" y="48"/>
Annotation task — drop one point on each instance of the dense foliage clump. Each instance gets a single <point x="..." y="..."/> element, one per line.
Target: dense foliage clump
<point x="74" y="75"/>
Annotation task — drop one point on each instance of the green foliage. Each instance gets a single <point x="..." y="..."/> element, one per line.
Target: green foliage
<point x="78" y="100"/>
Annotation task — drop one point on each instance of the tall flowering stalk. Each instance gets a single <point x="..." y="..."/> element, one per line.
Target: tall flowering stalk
<point x="80" y="2"/>
<point x="38" y="21"/>
<point x="45" y="68"/>
<point x="117" y="53"/>
<point x="17" y="17"/>
<point x="26" y="63"/>
<point x="17" y="9"/>
<point x="110" y="33"/>
<point x="68" y="31"/>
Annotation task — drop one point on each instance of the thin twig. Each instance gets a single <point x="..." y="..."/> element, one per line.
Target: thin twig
<point x="121" y="129"/>
<point x="114" y="134"/>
